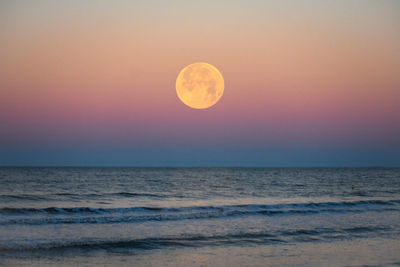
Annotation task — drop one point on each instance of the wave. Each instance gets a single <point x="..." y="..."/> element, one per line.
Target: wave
<point x="198" y="240"/>
<point x="23" y="197"/>
<point x="47" y="197"/>
<point x="57" y="215"/>
<point x="53" y="210"/>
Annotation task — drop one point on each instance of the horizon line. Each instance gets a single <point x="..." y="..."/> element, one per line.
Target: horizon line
<point x="194" y="166"/>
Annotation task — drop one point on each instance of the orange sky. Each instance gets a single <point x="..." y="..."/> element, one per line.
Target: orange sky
<point x="293" y="70"/>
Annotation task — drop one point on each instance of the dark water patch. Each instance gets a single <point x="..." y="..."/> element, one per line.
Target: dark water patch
<point x="243" y="208"/>
<point x="263" y="237"/>
<point x="128" y="194"/>
<point x="74" y="196"/>
<point x="56" y="215"/>
<point x="23" y="197"/>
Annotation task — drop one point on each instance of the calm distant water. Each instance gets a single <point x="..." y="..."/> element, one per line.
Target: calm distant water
<point x="200" y="216"/>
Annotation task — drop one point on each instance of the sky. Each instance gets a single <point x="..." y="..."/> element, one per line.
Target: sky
<point x="307" y="83"/>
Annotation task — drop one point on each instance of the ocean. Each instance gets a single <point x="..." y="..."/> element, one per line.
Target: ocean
<point x="67" y="216"/>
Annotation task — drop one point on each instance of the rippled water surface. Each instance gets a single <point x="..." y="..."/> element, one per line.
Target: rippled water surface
<point x="200" y="216"/>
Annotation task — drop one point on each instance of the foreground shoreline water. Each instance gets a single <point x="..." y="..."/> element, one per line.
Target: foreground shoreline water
<point x="199" y="216"/>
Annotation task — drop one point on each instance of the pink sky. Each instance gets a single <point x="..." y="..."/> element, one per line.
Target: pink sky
<point x="85" y="72"/>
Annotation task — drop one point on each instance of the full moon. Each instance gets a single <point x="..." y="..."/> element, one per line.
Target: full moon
<point x="200" y="85"/>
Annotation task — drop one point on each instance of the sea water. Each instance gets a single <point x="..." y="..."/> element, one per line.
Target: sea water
<point x="199" y="216"/>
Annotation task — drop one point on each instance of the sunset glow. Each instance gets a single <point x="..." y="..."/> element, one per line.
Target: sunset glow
<point x="84" y="80"/>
